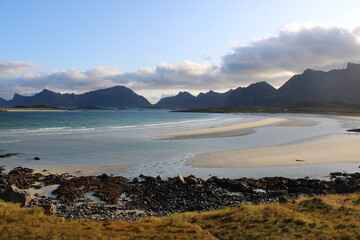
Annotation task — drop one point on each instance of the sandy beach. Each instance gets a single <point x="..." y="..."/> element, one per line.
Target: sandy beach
<point x="239" y="129"/>
<point x="223" y="131"/>
<point x="327" y="150"/>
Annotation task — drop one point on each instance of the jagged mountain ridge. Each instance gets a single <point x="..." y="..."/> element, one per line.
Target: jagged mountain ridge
<point x="339" y="85"/>
<point x="117" y="96"/>
<point x="254" y="95"/>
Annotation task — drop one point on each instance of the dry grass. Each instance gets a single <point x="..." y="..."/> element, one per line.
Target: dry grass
<point x="329" y="217"/>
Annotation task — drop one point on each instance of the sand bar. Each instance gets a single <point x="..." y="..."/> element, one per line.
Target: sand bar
<point x="298" y="122"/>
<point x="224" y="130"/>
<point x="344" y="148"/>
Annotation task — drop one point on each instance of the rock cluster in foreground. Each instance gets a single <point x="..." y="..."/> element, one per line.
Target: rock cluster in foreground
<point x="116" y="197"/>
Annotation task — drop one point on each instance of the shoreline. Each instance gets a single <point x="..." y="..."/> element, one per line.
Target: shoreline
<point x="332" y="149"/>
<point x="106" y="197"/>
<point x="83" y="170"/>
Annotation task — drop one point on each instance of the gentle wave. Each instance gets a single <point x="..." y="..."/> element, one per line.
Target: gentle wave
<point x="50" y="130"/>
<point x="165" y="124"/>
<point x="185" y="123"/>
<point x="9" y="141"/>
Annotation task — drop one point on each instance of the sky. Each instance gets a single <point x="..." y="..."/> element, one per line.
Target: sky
<point x="161" y="47"/>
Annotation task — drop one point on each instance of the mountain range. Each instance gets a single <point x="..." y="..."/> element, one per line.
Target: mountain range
<point x="339" y="85"/>
<point x="117" y="96"/>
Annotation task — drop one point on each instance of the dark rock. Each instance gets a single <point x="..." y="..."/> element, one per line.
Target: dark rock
<point x="340" y="180"/>
<point x="283" y="200"/>
<point x="36" y="158"/>
<point x="192" y="180"/>
<point x="335" y="174"/>
<point x="158" y="197"/>
<point x="103" y="176"/>
<point x="49" y="208"/>
<point x="7" y="155"/>
<point x="278" y="192"/>
<point x="354" y="130"/>
<point x="160" y="178"/>
<point x="15" y="195"/>
<point x="136" y="180"/>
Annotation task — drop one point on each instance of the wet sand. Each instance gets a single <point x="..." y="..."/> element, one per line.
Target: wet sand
<point x="239" y="129"/>
<point x="223" y="131"/>
<point x="327" y="150"/>
<point x="83" y="170"/>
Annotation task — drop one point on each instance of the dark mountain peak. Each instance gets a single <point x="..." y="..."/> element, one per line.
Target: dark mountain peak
<point x="256" y="94"/>
<point x="118" y="88"/>
<point x="353" y="66"/>
<point x="47" y="92"/>
<point x="185" y="94"/>
<point x="261" y="85"/>
<point x="181" y="100"/>
<point x="209" y="93"/>
<point x="353" y="70"/>
<point x="117" y="96"/>
<point x="308" y="71"/>
<point x="17" y="96"/>
<point x="110" y="90"/>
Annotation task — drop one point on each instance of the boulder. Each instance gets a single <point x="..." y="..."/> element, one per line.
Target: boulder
<point x="136" y="180"/>
<point x="160" y="178"/>
<point x="15" y="195"/>
<point x="181" y="179"/>
<point x="283" y="200"/>
<point x="192" y="180"/>
<point x="49" y="208"/>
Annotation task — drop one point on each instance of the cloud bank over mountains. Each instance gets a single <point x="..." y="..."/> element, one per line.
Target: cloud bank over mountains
<point x="273" y="59"/>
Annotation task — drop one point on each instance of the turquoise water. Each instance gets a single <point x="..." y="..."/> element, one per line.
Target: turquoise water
<point x="28" y="120"/>
<point x="127" y="138"/>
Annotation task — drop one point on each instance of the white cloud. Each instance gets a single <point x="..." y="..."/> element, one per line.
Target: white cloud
<point x="12" y="69"/>
<point x="295" y="48"/>
<point x="187" y="75"/>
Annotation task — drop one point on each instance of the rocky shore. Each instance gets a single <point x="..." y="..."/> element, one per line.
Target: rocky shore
<point x="116" y="197"/>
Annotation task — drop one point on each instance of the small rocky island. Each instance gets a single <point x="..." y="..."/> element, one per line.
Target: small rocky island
<point x="115" y="197"/>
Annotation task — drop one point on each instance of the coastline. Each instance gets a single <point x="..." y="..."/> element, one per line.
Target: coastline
<point x="326" y="150"/>
<point x="201" y="155"/>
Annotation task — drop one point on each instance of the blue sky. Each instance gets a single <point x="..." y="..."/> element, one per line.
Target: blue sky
<point x="161" y="47"/>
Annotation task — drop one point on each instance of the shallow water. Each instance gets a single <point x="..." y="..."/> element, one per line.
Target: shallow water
<point x="125" y="137"/>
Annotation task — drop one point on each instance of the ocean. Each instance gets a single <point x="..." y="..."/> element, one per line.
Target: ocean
<point x="126" y="137"/>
